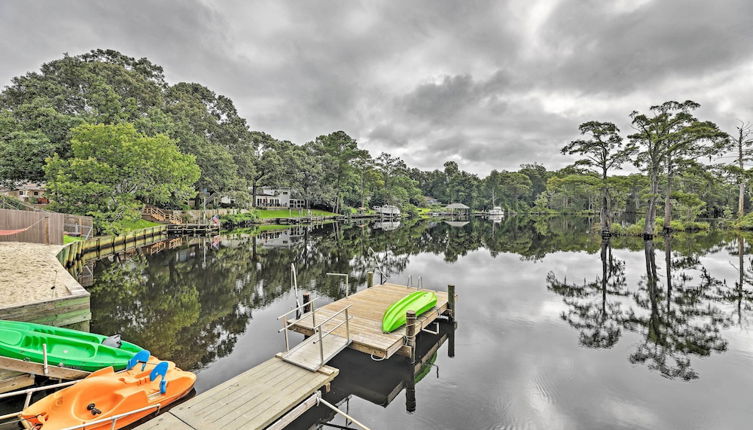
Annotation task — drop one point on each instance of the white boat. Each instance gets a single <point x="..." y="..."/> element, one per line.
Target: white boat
<point x="497" y="211"/>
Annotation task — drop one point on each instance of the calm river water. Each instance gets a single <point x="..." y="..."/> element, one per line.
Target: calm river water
<point x="556" y="329"/>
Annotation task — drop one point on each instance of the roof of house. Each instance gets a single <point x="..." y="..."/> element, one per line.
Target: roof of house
<point x="457" y="206"/>
<point x="26" y="186"/>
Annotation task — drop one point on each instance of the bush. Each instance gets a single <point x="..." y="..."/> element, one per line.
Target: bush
<point x="238" y="219"/>
<point x="744" y="223"/>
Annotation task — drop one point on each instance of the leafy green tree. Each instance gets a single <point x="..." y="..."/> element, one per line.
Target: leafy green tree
<point x="513" y="186"/>
<point x="22" y="153"/>
<point x="339" y="154"/>
<point x="538" y="175"/>
<point x="107" y="87"/>
<point x="102" y="86"/>
<point x="272" y="163"/>
<point x="307" y="174"/>
<point x="208" y="125"/>
<point x="603" y="152"/>
<point x="670" y="136"/>
<point x="395" y="185"/>
<point x="114" y="169"/>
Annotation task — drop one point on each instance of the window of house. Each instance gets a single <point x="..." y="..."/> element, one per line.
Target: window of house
<point x="36" y="193"/>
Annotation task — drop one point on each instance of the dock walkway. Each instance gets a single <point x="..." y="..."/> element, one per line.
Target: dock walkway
<point x="252" y="400"/>
<point x="366" y="310"/>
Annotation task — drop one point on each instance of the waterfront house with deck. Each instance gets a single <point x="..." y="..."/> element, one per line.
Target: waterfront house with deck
<point x="269" y="197"/>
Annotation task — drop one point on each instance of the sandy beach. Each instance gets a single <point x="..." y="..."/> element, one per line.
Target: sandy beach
<point x="31" y="273"/>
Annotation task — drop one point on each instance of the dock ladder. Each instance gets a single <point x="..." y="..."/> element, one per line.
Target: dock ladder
<point x="315" y="351"/>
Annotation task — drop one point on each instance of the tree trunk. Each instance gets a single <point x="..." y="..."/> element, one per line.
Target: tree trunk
<point x="648" y="229"/>
<point x="741" y="196"/>
<point x="741" y="269"/>
<point x="604" y="214"/>
<point x="668" y="263"/>
<point x="253" y="195"/>
<point x="667" y="197"/>
<point x="605" y="273"/>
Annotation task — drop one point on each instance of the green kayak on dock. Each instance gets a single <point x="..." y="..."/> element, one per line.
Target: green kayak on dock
<point x="66" y="347"/>
<point x="419" y="302"/>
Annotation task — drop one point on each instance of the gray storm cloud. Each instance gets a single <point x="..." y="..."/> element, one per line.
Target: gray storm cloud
<point x="488" y="84"/>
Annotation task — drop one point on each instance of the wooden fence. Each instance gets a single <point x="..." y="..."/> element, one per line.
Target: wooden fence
<point x="45" y="227"/>
<point x="78" y="225"/>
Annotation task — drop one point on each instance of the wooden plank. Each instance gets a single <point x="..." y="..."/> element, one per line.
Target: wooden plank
<point x="251" y="400"/>
<point x="38" y="369"/>
<point x="296" y="412"/>
<point x="366" y="310"/>
<point x="10" y="380"/>
<point x="309" y="355"/>
<point x="165" y="421"/>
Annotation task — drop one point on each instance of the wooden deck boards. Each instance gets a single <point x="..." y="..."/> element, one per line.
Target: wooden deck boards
<point x="367" y="308"/>
<point x="251" y="400"/>
<point x="308" y="355"/>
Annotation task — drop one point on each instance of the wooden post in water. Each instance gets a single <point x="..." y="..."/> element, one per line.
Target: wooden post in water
<point x="451" y="339"/>
<point x="451" y="302"/>
<point x="306" y="300"/>
<point x="410" y="391"/>
<point x="369" y="279"/>
<point x="410" y="333"/>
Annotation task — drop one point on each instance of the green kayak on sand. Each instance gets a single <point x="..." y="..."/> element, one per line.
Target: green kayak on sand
<point x="66" y="347"/>
<point x="419" y="302"/>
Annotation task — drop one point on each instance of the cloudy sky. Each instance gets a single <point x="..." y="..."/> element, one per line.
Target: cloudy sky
<point x="489" y="84"/>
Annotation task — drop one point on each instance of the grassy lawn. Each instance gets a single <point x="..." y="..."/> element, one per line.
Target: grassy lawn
<point x="138" y="224"/>
<point x="70" y="239"/>
<point x="284" y="213"/>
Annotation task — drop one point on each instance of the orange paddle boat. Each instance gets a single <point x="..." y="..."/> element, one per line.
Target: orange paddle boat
<point x="142" y="389"/>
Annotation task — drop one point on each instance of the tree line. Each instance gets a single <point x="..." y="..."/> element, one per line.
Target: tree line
<point x="108" y="134"/>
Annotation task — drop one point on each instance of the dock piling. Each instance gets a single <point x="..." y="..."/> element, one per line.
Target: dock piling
<point x="451" y="302"/>
<point x="369" y="279"/>
<point x="410" y="333"/>
<point x="306" y="300"/>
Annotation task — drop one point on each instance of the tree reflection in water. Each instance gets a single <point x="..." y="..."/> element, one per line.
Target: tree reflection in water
<point x="677" y="320"/>
<point x="596" y="318"/>
<point x="193" y="303"/>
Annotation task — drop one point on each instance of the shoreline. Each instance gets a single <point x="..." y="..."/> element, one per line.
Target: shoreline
<point x="38" y="288"/>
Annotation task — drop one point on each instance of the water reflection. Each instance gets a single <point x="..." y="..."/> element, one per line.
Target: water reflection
<point x="678" y="317"/>
<point x="382" y="382"/>
<point x="547" y="309"/>
<point x="592" y="306"/>
<point x="192" y="303"/>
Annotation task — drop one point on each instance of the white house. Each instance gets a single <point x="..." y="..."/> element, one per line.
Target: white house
<point x="268" y="197"/>
<point x="387" y="210"/>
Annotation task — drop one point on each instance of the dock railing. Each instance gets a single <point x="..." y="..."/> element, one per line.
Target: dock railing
<point x="284" y="318"/>
<point x="319" y="335"/>
<point x="114" y="419"/>
<point x="29" y="392"/>
<point x="318" y="330"/>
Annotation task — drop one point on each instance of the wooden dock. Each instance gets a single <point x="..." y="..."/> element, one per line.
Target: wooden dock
<point x="252" y="400"/>
<point x="193" y="229"/>
<point x="366" y="310"/>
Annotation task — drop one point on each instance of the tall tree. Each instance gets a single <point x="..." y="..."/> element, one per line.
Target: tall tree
<point x="114" y="169"/>
<point x="602" y="152"/>
<point x="669" y="136"/>
<point x="272" y="162"/>
<point x="339" y="153"/>
<point x="743" y="147"/>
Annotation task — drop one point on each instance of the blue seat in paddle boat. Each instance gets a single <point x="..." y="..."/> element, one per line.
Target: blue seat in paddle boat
<point x="140" y="357"/>
<point x="160" y="370"/>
